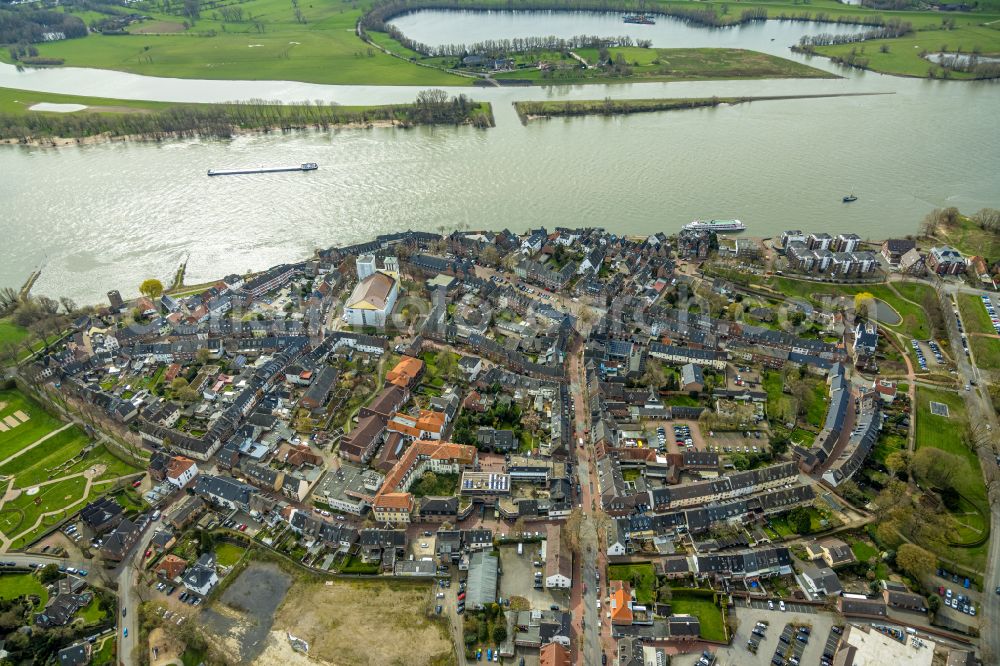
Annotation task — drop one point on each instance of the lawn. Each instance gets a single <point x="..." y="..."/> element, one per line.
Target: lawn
<point x="779" y="405"/>
<point x="228" y="554"/>
<point x="355" y="566"/>
<point x="39" y="423"/>
<point x="914" y="322"/>
<point x="10" y="333"/>
<point x="713" y="628"/>
<point x="435" y="485"/>
<point x="816" y="403"/>
<point x="948" y="434"/>
<point x="92" y="613"/>
<point x="21" y="513"/>
<point x="105" y="655"/>
<point x="967" y="237"/>
<point x="863" y="550"/>
<point x="100" y="455"/>
<point x="682" y="400"/>
<point x="45" y="460"/>
<point x="974" y="315"/>
<point x="642" y="578"/>
<point x="13" y="586"/>
<point x="985" y="351"/>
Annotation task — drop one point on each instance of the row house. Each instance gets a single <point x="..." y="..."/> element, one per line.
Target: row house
<point x="727" y="487"/>
<point x="761" y="563"/>
<point x="685" y="355"/>
<point x="271" y="279"/>
<point x="862" y="440"/>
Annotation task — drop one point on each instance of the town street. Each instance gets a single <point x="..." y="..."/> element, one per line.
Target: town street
<point x="982" y="417"/>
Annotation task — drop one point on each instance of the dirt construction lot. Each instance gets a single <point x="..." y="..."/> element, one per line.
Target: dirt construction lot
<point x="361" y="622"/>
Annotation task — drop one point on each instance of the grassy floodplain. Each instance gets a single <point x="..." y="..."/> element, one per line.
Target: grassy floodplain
<point x="140" y="118"/>
<point x="613" y="107"/>
<point x="323" y="45"/>
<point x="673" y="65"/>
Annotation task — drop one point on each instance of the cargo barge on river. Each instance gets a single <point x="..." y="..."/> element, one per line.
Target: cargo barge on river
<point x="305" y="166"/>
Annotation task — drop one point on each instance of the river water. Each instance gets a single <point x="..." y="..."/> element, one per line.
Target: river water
<point x="106" y="216"/>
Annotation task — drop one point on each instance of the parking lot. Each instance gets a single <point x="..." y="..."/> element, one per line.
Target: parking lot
<point x="423" y="545"/>
<point x="959" y="605"/>
<point x="790" y="606"/>
<point x="810" y="652"/>
<point x="738" y="442"/>
<point x="742" y="377"/>
<point x="992" y="305"/>
<point x="518" y="579"/>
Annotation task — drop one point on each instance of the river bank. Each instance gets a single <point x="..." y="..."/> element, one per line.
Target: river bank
<point x="528" y="111"/>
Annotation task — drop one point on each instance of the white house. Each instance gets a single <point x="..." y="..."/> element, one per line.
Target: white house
<point x="616" y="538"/>
<point x="200" y="577"/>
<point x="558" y="560"/>
<point x="181" y="471"/>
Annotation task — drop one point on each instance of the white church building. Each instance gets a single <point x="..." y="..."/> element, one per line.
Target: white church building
<point x="374" y="297"/>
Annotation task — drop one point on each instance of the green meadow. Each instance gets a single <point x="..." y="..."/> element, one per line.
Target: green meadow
<point x="322" y="46"/>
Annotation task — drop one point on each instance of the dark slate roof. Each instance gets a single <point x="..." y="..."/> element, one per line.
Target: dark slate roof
<point x="100" y="512"/>
<point x="225" y="487"/>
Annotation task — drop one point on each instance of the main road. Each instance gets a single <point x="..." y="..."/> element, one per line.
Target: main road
<point x="129" y="599"/>
<point x="587" y="589"/>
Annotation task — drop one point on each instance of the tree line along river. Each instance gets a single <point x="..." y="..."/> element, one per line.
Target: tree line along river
<point x="104" y="216"/>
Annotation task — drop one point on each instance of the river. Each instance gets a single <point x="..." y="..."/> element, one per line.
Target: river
<point x="106" y="216"/>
